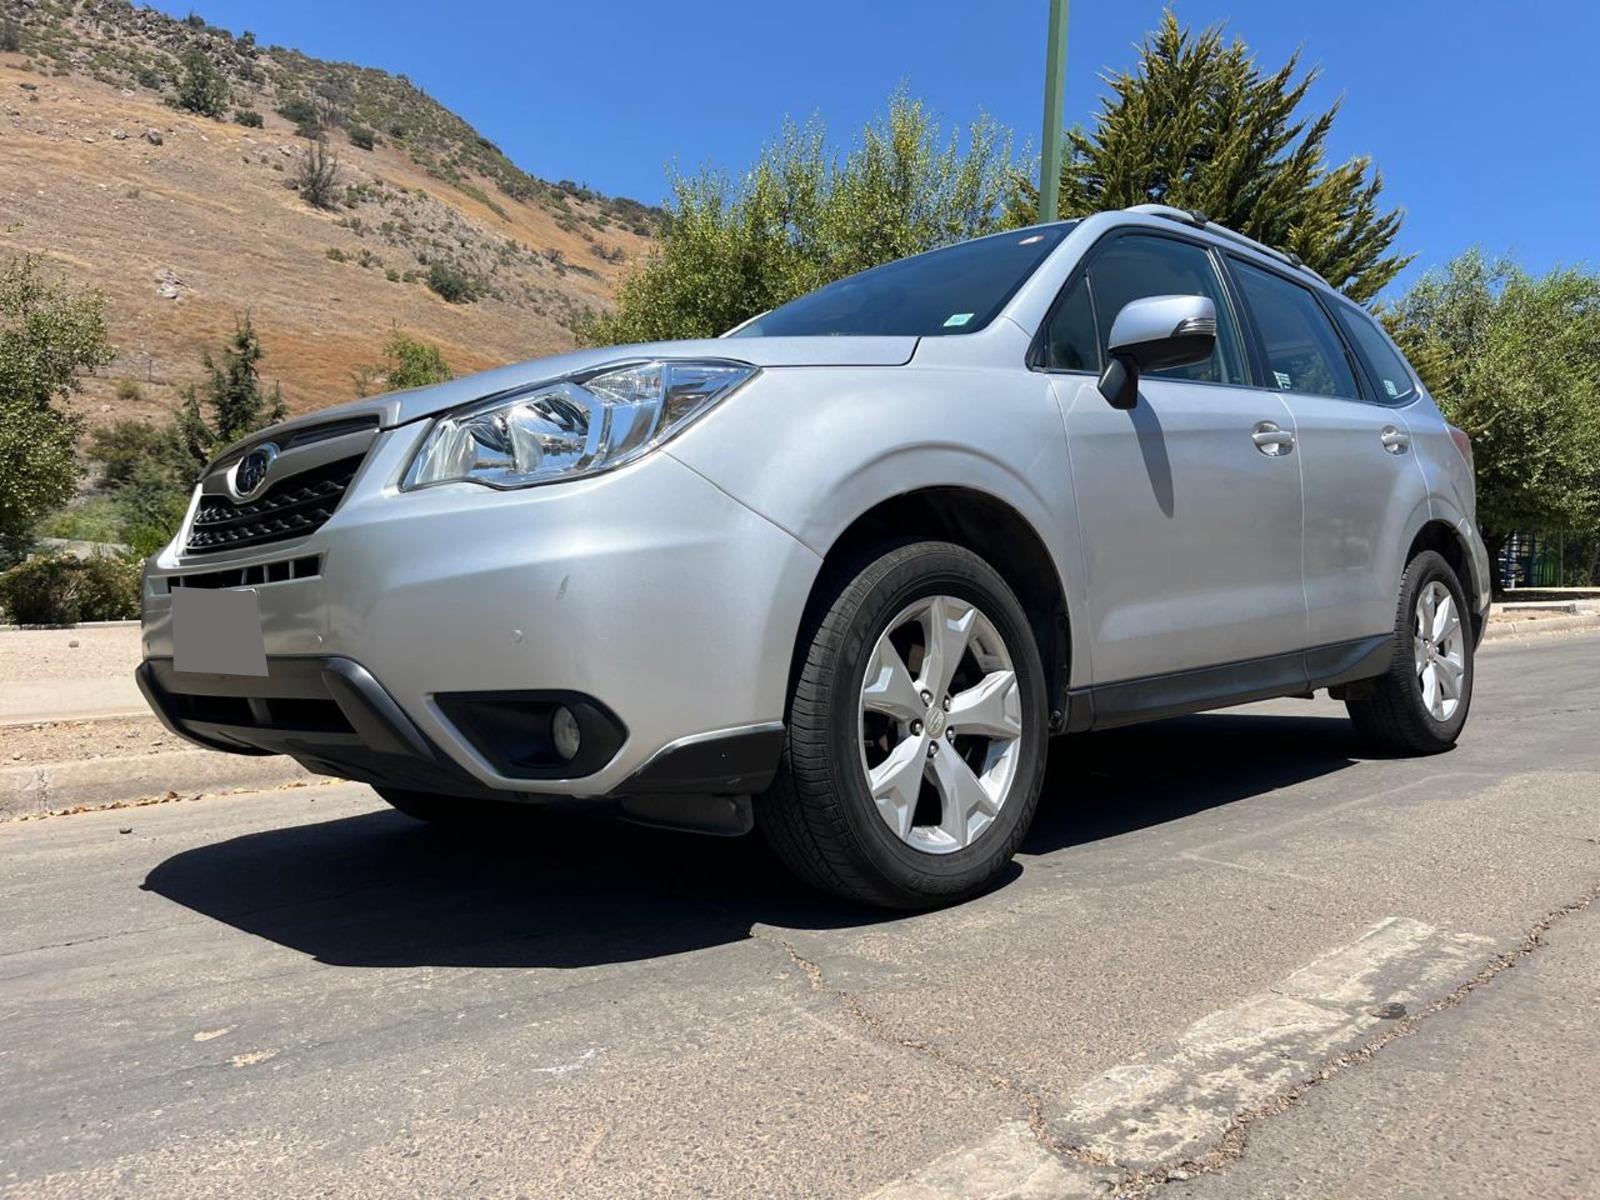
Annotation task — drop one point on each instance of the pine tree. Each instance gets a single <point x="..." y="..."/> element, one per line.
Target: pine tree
<point x="233" y="396"/>
<point x="1198" y="125"/>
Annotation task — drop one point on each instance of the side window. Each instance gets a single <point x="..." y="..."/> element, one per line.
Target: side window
<point x="1382" y="361"/>
<point x="1304" y="353"/>
<point x="1070" y="341"/>
<point x="1132" y="268"/>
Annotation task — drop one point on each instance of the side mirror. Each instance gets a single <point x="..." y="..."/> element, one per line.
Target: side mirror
<point x="1151" y="334"/>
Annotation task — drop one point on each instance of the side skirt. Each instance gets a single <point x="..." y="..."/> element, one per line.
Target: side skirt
<point x="1153" y="697"/>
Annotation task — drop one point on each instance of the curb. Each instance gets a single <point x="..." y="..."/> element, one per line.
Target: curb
<point x="1501" y="630"/>
<point x="133" y="621"/>
<point x="40" y="788"/>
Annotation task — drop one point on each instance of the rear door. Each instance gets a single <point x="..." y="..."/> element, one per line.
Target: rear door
<point x="1190" y="521"/>
<point x="1363" y="490"/>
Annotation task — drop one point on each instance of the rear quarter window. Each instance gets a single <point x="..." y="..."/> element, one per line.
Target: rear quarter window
<point x="1389" y="372"/>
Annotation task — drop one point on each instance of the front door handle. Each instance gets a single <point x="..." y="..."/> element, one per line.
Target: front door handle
<point x="1271" y="440"/>
<point x="1395" y="440"/>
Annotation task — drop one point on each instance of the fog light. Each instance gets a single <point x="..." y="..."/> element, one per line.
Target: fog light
<point x="565" y="733"/>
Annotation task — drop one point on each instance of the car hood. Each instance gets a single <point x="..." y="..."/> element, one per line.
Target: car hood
<point x="397" y="408"/>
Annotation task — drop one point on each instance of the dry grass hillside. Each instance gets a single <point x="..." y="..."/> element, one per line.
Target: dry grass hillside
<point x="183" y="221"/>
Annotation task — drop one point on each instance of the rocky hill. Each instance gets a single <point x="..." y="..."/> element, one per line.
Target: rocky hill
<point x="183" y="221"/>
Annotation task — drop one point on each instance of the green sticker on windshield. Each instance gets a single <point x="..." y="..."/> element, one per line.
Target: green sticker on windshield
<point x="956" y="319"/>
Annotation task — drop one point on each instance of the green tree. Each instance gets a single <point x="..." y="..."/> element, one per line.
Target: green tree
<point x="48" y="333"/>
<point x="201" y="86"/>
<point x="408" y="362"/>
<point x="231" y="403"/>
<point x="803" y="217"/>
<point x="152" y="471"/>
<point x="1514" y="360"/>
<point x="1199" y="125"/>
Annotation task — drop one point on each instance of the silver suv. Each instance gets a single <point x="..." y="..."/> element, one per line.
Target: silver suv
<point x="842" y="573"/>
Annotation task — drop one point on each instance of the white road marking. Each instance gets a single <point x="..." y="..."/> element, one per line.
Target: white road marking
<point x="1171" y="1105"/>
<point x="1010" y="1164"/>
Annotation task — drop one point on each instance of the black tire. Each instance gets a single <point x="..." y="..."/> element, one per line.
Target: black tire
<point x="1389" y="713"/>
<point x="819" y="816"/>
<point x="449" y="810"/>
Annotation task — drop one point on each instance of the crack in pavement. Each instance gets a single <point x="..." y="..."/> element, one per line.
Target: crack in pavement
<point x="1235" y="1139"/>
<point x="1032" y="1102"/>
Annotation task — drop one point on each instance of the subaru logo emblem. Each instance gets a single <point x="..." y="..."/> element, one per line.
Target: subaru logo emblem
<point x="249" y="474"/>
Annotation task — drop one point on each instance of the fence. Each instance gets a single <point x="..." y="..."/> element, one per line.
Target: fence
<point x="1551" y="558"/>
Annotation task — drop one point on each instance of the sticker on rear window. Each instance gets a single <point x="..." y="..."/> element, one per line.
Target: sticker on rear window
<point x="1388" y="386"/>
<point x="1283" y="380"/>
<point x="955" y="319"/>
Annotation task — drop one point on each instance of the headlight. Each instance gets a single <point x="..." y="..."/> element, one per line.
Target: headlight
<point x="572" y="427"/>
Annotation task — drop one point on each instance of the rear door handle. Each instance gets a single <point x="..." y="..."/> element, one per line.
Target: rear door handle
<point x="1395" y="441"/>
<point x="1272" y="440"/>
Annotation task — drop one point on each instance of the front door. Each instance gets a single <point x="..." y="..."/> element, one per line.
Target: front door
<point x="1189" y="504"/>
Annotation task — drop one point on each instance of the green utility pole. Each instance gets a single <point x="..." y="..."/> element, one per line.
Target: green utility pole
<point x="1055" y="87"/>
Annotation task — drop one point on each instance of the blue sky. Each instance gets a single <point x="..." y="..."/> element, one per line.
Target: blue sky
<point x="1484" y="116"/>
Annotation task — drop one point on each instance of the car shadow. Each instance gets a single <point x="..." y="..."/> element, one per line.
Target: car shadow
<point x="1118" y="781"/>
<point x="560" y="888"/>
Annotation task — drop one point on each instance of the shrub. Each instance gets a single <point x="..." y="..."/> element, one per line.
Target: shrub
<point x="129" y="391"/>
<point x="248" y="117"/>
<point x="57" y="589"/>
<point x="201" y="87"/>
<point x="452" y="284"/>
<point x="361" y="137"/>
<point x="10" y="36"/>
<point x="301" y="112"/>
<point x="336" y="254"/>
<point x="408" y="362"/>
<point x="317" y="176"/>
<point x="120" y="446"/>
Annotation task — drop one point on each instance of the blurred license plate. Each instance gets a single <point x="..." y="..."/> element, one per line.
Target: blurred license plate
<point x="217" y="631"/>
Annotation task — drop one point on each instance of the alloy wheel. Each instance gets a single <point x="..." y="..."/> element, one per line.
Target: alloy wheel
<point x="941" y="724"/>
<point x="1439" y="646"/>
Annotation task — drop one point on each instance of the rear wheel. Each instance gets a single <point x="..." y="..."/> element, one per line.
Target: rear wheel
<point x="1421" y="703"/>
<point x="916" y="737"/>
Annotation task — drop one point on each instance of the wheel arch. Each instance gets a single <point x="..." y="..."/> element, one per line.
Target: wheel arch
<point x="1444" y="539"/>
<point x="992" y="529"/>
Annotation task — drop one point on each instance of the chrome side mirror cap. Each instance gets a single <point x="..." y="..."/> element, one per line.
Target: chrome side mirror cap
<point x="1152" y="334"/>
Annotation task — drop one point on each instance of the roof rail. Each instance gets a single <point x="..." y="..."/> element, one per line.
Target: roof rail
<point x="1199" y="220"/>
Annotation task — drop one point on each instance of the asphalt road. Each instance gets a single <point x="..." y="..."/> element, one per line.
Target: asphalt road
<point x="1237" y="958"/>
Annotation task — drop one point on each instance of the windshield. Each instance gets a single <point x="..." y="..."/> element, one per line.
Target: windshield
<point x="959" y="289"/>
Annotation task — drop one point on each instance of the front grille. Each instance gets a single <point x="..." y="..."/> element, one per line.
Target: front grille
<point x="290" y="508"/>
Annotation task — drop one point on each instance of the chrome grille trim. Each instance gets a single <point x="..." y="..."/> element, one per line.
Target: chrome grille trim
<point x="291" y="507"/>
<point x="305" y="484"/>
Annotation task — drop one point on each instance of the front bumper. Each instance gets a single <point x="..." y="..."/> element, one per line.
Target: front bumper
<point x="648" y="589"/>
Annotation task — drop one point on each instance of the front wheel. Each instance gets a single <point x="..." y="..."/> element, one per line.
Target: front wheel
<point x="1420" y="704"/>
<point x="916" y="738"/>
